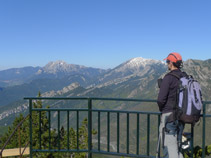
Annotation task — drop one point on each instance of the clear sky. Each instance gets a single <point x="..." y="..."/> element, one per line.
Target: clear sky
<point x="102" y="33"/>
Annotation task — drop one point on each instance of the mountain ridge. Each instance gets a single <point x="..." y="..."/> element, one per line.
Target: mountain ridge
<point x="123" y="81"/>
<point x="52" y="70"/>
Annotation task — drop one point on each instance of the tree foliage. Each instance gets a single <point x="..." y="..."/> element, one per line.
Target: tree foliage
<point x="56" y="139"/>
<point x="197" y="152"/>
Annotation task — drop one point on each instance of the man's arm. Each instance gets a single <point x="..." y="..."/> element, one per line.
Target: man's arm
<point x="163" y="93"/>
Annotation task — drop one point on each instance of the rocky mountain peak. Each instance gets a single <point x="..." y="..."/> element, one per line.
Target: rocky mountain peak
<point x="141" y="62"/>
<point x="134" y="67"/>
<point x="53" y="67"/>
<point x="57" y="63"/>
<point x="136" y="64"/>
<point x="60" y="66"/>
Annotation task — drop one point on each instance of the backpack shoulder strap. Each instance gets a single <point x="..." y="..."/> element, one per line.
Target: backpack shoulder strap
<point x="183" y="74"/>
<point x="175" y="75"/>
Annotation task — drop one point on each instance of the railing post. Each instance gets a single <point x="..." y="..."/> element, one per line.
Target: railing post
<point x="89" y="128"/>
<point x="159" y="137"/>
<point x="192" y="141"/>
<point x="137" y="135"/>
<point x="148" y="134"/>
<point x="77" y="127"/>
<point x="128" y="133"/>
<point x="59" y="143"/>
<point x="108" y="132"/>
<point x="98" y="131"/>
<point x="68" y="130"/>
<point x="40" y="130"/>
<point x="30" y="126"/>
<point x="49" y="130"/>
<point x="118" y="132"/>
<point x="203" y="132"/>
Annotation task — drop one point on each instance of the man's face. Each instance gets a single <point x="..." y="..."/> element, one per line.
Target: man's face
<point x="169" y="64"/>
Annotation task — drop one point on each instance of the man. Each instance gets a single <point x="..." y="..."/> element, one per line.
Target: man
<point x="170" y="129"/>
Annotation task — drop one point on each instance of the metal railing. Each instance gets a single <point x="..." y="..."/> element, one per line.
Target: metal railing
<point x="106" y="149"/>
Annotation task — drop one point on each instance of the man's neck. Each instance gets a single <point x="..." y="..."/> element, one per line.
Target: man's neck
<point x="174" y="68"/>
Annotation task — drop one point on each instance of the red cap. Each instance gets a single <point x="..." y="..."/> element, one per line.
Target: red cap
<point x="174" y="57"/>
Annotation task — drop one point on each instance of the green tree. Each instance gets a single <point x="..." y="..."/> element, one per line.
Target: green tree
<point x="40" y="128"/>
<point x="197" y="152"/>
<point x="82" y="137"/>
<point x="21" y="136"/>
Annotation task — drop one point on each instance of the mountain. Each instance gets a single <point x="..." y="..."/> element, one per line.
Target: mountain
<point x="54" y="76"/>
<point x="131" y="68"/>
<point x="61" y="69"/>
<point x="9" y="112"/>
<point x="53" y="70"/>
<point x="201" y="71"/>
<point x="16" y="76"/>
<point x="135" y="78"/>
<point x="14" y="93"/>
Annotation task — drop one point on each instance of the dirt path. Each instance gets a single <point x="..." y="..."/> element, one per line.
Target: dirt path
<point x="15" y="152"/>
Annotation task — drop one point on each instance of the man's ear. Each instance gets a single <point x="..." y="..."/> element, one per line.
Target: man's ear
<point x="171" y="65"/>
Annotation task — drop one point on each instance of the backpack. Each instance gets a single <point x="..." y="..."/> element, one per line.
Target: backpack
<point x="188" y="99"/>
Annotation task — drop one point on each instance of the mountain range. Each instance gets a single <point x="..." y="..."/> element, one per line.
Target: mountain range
<point x="135" y="78"/>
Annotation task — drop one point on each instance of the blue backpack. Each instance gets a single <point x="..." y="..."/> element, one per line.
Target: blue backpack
<point x="189" y="99"/>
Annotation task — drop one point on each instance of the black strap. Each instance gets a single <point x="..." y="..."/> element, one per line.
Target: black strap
<point x="175" y="75"/>
<point x="163" y="137"/>
<point x="183" y="74"/>
<point x="173" y="55"/>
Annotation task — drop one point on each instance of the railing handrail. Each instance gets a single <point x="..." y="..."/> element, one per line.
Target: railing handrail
<point x="87" y="98"/>
<point x="96" y="98"/>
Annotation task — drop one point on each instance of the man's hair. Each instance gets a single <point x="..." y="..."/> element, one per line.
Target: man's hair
<point x="178" y="64"/>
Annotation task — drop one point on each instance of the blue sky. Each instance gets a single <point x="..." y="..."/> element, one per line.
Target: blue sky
<point x="102" y="33"/>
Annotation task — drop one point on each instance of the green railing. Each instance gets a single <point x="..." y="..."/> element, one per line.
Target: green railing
<point x="106" y="150"/>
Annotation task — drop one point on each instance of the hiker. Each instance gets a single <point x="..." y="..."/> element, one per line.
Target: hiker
<point x="170" y="129"/>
